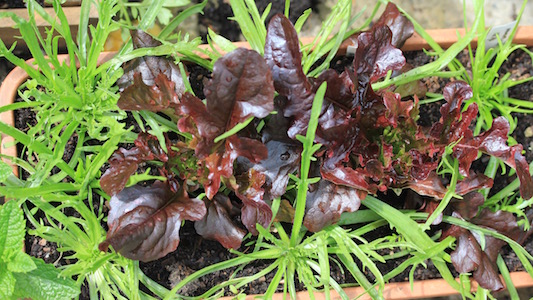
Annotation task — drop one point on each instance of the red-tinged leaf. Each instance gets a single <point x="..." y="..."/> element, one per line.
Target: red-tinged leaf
<point x="357" y="179"/>
<point x="252" y="149"/>
<point x="422" y="164"/>
<point x="149" y="68"/>
<point x="494" y="142"/>
<point x="282" y="53"/>
<point x="468" y="207"/>
<point x="200" y="123"/>
<point x="397" y="111"/>
<point x="522" y="171"/>
<point x="250" y="191"/>
<point x="472" y="183"/>
<point x="217" y="224"/>
<point x="431" y="186"/>
<point x="453" y="124"/>
<point x="501" y="221"/>
<point x="144" y="222"/>
<point x="220" y="164"/>
<point x="283" y="159"/>
<point x="123" y="163"/>
<point x="327" y="202"/>
<point x="455" y="93"/>
<point x="255" y="213"/>
<point x="241" y="87"/>
<point x="398" y="24"/>
<point x="414" y="88"/>
<point x="375" y="55"/>
<point x="338" y="131"/>
<point x="157" y="97"/>
<point x="487" y="275"/>
<point x="339" y="90"/>
<point x="467" y="255"/>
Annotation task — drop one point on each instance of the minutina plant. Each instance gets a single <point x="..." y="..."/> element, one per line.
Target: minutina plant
<point x="490" y="87"/>
<point x="71" y="91"/>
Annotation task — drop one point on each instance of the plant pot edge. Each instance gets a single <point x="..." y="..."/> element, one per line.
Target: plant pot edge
<point x="428" y="288"/>
<point x="71" y="10"/>
<point x="400" y="290"/>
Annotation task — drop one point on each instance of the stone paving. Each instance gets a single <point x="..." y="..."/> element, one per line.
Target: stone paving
<point x="431" y="14"/>
<point x="449" y="13"/>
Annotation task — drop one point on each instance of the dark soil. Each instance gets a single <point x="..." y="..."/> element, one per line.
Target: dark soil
<point x="217" y="12"/>
<point x="195" y="253"/>
<point x="15" y="3"/>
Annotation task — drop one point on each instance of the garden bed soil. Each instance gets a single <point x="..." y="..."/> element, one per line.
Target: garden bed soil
<point x="217" y="16"/>
<point x="195" y="253"/>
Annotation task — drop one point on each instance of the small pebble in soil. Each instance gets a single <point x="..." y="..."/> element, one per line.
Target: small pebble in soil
<point x="529" y="132"/>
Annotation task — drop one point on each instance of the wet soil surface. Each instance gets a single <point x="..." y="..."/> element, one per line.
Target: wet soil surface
<point x="195" y="253"/>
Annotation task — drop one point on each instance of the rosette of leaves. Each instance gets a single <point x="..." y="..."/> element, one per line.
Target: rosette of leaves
<point x="144" y="221"/>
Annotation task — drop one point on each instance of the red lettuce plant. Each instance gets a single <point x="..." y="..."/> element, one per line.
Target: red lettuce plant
<point x="370" y="142"/>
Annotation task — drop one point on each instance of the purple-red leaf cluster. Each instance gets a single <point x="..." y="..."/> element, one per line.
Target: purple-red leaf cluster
<point x="469" y="256"/>
<point x="371" y="142"/>
<point x="144" y="222"/>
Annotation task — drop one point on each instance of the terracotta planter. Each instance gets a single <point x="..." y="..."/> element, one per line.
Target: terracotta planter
<point x="420" y="289"/>
<point x="402" y="290"/>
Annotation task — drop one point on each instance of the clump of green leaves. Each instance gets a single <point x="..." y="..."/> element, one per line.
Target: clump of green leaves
<point x="140" y="10"/>
<point x="490" y="88"/>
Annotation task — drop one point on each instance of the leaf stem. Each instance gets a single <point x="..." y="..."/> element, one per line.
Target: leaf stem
<point x="307" y="156"/>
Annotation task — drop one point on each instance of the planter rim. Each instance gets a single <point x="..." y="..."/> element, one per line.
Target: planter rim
<point x="401" y="290"/>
